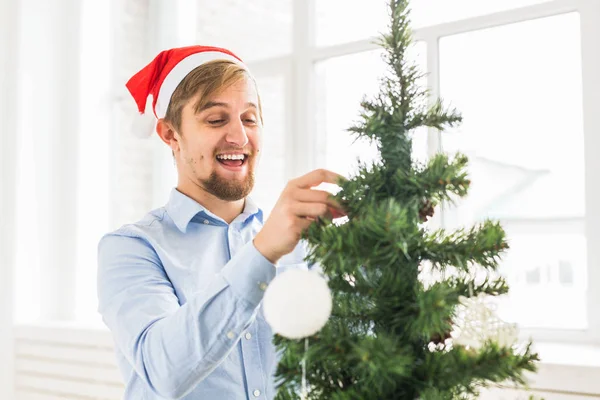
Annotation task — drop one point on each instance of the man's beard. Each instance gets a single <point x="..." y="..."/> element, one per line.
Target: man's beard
<point x="230" y="189"/>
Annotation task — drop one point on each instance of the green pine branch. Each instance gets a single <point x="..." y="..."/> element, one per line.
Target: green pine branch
<point x="478" y="246"/>
<point x="442" y="179"/>
<point x="473" y="369"/>
<point x="436" y="304"/>
<point x="467" y="287"/>
<point x="388" y="230"/>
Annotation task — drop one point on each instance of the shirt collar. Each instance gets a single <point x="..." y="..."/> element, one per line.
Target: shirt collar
<point x="251" y="209"/>
<point x="182" y="209"/>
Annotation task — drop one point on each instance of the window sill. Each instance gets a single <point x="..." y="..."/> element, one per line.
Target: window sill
<point x="567" y="368"/>
<point x="564" y="368"/>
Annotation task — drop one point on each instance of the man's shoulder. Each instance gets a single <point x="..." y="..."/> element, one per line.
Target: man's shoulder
<point x="154" y="221"/>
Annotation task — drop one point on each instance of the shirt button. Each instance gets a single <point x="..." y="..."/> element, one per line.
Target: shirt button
<point x="206" y="222"/>
<point x="248" y="336"/>
<point x="262" y="286"/>
<point x="230" y="335"/>
<point x="256" y="393"/>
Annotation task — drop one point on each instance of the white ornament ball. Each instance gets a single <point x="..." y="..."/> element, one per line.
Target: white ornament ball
<point x="297" y="303"/>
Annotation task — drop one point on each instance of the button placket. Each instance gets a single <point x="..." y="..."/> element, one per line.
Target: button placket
<point x="234" y="239"/>
<point x="255" y="375"/>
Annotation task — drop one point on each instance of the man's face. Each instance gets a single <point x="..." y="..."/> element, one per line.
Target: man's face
<point x="220" y="145"/>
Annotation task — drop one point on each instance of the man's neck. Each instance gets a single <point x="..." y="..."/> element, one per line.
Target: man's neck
<point x="227" y="210"/>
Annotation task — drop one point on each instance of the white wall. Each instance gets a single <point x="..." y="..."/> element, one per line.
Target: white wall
<point x="61" y="363"/>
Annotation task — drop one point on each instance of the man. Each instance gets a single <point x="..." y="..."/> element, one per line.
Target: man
<point x="181" y="289"/>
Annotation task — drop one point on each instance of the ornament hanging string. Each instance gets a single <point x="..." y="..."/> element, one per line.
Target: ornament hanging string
<point x="304" y="386"/>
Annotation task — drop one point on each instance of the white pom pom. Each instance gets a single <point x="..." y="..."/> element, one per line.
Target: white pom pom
<point x="297" y="303"/>
<point x="143" y="125"/>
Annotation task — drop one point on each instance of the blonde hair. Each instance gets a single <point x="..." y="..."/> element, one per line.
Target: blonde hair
<point x="205" y="81"/>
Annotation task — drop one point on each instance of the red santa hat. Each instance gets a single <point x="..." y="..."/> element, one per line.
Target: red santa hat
<point x="161" y="77"/>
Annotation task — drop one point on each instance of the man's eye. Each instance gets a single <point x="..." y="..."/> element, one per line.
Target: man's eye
<point x="250" y="121"/>
<point x="216" y="121"/>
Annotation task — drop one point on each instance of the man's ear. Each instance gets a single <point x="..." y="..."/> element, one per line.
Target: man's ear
<point x="168" y="134"/>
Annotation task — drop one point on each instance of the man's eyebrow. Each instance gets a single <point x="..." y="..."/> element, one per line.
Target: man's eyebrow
<point x="212" y="104"/>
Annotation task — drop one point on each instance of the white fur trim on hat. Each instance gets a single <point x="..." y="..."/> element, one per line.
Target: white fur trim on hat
<point x="180" y="71"/>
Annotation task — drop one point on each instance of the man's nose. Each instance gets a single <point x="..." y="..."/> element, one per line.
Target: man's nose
<point x="236" y="134"/>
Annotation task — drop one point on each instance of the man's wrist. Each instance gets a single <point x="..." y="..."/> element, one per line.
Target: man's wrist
<point x="264" y="250"/>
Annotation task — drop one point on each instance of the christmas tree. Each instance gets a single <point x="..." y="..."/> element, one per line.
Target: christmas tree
<point x="409" y="319"/>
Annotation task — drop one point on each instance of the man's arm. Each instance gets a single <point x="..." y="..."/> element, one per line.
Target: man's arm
<point x="172" y="347"/>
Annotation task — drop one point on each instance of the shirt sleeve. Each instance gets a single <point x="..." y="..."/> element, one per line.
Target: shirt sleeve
<point x="170" y="346"/>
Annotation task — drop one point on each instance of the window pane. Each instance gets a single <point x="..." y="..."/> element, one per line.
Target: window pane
<point x="361" y="20"/>
<point x="93" y="186"/>
<point x="342" y="82"/>
<point x="430" y="12"/>
<point x="270" y="174"/>
<point x="520" y="91"/>
<point x="28" y="232"/>
<point x="547" y="278"/>
<point x="364" y="19"/>
<point x="252" y="29"/>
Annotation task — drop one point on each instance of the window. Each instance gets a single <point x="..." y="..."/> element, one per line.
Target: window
<point x="28" y="235"/>
<point x="271" y="170"/>
<point x="520" y="91"/>
<point x="364" y="19"/>
<point x="93" y="185"/>
<point x="361" y="20"/>
<point x="56" y="243"/>
<point x="514" y="69"/>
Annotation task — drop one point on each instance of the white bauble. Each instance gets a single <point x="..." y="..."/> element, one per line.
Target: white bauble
<point x="297" y="303"/>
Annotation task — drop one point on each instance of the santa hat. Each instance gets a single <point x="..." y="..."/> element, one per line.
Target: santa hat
<point x="161" y="77"/>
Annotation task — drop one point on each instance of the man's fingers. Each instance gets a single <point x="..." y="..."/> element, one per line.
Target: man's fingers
<point x="318" y="196"/>
<point x="310" y="209"/>
<point x="304" y="223"/>
<point x="316" y="177"/>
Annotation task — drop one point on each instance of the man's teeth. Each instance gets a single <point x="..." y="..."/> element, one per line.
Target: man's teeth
<point x="230" y="157"/>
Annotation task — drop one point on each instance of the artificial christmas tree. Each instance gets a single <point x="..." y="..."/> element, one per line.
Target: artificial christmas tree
<point x="409" y="318"/>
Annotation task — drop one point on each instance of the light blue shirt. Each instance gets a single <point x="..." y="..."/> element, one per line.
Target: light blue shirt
<point x="181" y="292"/>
